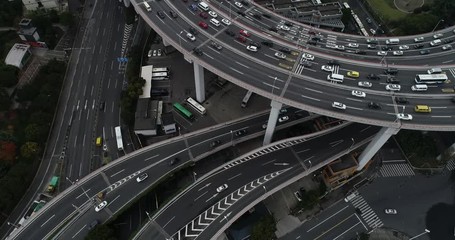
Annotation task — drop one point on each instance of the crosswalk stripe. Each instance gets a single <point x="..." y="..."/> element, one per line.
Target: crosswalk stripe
<point x="368" y="214"/>
<point x="396" y="169"/>
<point x="451" y="165"/>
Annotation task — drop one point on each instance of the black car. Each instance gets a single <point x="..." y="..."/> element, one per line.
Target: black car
<point x="289" y="24"/>
<point x="174" y="161"/>
<point x="386" y="48"/>
<point x="241" y="132"/>
<point x="424" y="52"/>
<point x="273" y="29"/>
<point x="392" y="71"/>
<point x="198" y="51"/>
<point x="285" y="50"/>
<point x="267" y="43"/>
<point x="193" y="31"/>
<point x="93" y="225"/>
<point x="173" y="14"/>
<point x="256" y="44"/>
<point x="417" y="46"/>
<point x="230" y="33"/>
<point x="333" y="63"/>
<point x="373" y="76"/>
<point x="215" y="143"/>
<point x="361" y="52"/>
<point x="102" y="105"/>
<point x="312" y="42"/>
<point x="245" y="3"/>
<point x="401" y="100"/>
<point x="373" y="105"/>
<point x="448" y="40"/>
<point x="453" y="99"/>
<point x="161" y="14"/>
<point x="266" y="15"/>
<point x="257" y="16"/>
<point x="241" y="13"/>
<point x="392" y="80"/>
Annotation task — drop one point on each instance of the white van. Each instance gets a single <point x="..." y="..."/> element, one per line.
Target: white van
<point x="419" y="87"/>
<point x="392" y="41"/>
<point x="203" y="6"/>
<point x="335" y="78"/>
<point x="215" y="22"/>
<point x="436" y="42"/>
<point x="147" y="6"/>
<point x="434" y="71"/>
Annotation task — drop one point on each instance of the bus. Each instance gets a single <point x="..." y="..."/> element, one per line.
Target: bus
<point x="161" y="69"/>
<point x="182" y="110"/>
<point x="246" y="99"/>
<point x="118" y="137"/>
<point x="160" y="76"/>
<point x="199" y="108"/>
<point x="431" y="78"/>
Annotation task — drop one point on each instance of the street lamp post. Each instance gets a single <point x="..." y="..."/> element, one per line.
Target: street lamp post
<point x="265" y="189"/>
<point x="273" y="87"/>
<point x="180" y="38"/>
<point x="148" y="215"/>
<point x="12" y="224"/>
<point x="353" y="141"/>
<point x="83" y="190"/>
<point x="441" y="20"/>
<point x="310" y="163"/>
<point x="418" y="235"/>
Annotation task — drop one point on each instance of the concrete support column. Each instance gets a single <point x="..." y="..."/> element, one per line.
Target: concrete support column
<point x="273" y="116"/>
<point x="373" y="147"/>
<point x="127" y="3"/>
<point x="165" y="43"/>
<point x="199" y="82"/>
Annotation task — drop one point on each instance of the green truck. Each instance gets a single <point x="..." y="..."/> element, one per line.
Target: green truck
<point x="53" y="184"/>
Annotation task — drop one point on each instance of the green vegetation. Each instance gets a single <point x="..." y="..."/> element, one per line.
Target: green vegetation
<point x="102" y="232"/>
<point x="419" y="148"/>
<point x="386" y="10"/>
<point x="264" y="229"/>
<point x="10" y="11"/>
<point x="7" y="40"/>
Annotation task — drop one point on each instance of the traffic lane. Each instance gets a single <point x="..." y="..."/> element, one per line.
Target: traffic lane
<point x="80" y="228"/>
<point x="201" y="196"/>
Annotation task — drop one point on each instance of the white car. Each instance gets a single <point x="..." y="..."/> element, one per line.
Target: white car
<point x="397" y="53"/>
<point x="213" y="14"/>
<point x="154" y="53"/>
<point x="226" y="22"/>
<point x="353" y="45"/>
<point x="371" y="46"/>
<point x="404" y="116"/>
<point x="439" y="35"/>
<point x="100" y="206"/>
<point x="382" y="53"/>
<point x="142" y="177"/>
<point x="418" y="39"/>
<point x="308" y="56"/>
<point x="390" y="211"/>
<point x="222" y="188"/>
<point x="403" y="47"/>
<point x="283" y="27"/>
<point x="357" y="93"/>
<point x="446" y="47"/>
<point x="372" y="31"/>
<point x="392" y="87"/>
<point x="327" y="68"/>
<point x="252" y="48"/>
<point x="191" y="37"/>
<point x="280" y="55"/>
<point x="365" y="84"/>
<point x="339" y="105"/>
<point x="238" y="4"/>
<point x="149" y="54"/>
<point x="283" y="119"/>
<point x="339" y="47"/>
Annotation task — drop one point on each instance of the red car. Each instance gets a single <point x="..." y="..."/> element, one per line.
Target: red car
<point x="241" y="39"/>
<point x="203" y="25"/>
<point x="245" y="33"/>
<point x="204" y="15"/>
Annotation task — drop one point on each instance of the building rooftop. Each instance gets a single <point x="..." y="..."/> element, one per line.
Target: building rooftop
<point x="146" y="74"/>
<point x="16" y="54"/>
<point x="145" y="117"/>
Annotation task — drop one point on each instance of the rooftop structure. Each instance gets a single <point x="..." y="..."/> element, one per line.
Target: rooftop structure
<point x="18" y="55"/>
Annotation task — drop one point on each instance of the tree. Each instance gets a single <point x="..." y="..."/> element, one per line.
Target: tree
<point x="8" y="76"/>
<point x="7" y="151"/>
<point x="101" y="232"/>
<point x="264" y="229"/>
<point x="5" y="102"/>
<point x="30" y="150"/>
<point x="67" y="19"/>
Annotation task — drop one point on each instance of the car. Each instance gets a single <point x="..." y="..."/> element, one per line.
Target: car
<point x="418" y="46"/>
<point x="391" y="71"/>
<point x="252" y="48"/>
<point x="203" y="15"/>
<point x="257" y="16"/>
<point x="369" y="20"/>
<point x="198" y="51"/>
<point x="238" y="4"/>
<point x="256" y="44"/>
<point x="173" y="14"/>
<point x="333" y="62"/>
<point x="453" y="99"/>
<point x="191" y="37"/>
<point x="283" y="119"/>
<point x="339" y="105"/>
<point x="373" y="76"/>
<point x="446" y="47"/>
<point x="154" y="52"/>
<point x="216" y="46"/>
<point x="161" y="14"/>
<point x="230" y="33"/>
<point x="438" y="35"/>
<point x="401" y="100"/>
<point x="357" y="93"/>
<point x="424" y="52"/>
<point x="397" y="53"/>
<point x="264" y="126"/>
<point x="298" y="195"/>
<point x="390" y="211"/>
<point x="174" y="161"/>
<point x="372" y="40"/>
<point x="245" y="3"/>
<point x="266" y="15"/>
<point x="241" y="39"/>
<point x="241" y="132"/>
<point x="244" y="33"/>
<point x="372" y="31"/>
<point x="373" y="105"/>
<point x="449" y="40"/>
<point x="142" y="177"/>
<point x="193" y="31"/>
<point x="364" y="84"/>
<point x="222" y="188"/>
<point x="280" y="55"/>
<point x="203" y="25"/>
<point x="93" y="224"/>
<point x="353" y="45"/>
<point x="418" y="39"/>
<point x="241" y="13"/>
<point x="312" y="42"/>
<point x="149" y="54"/>
<point x="267" y="43"/>
<point x="159" y="53"/>
<point x="285" y="50"/>
<point x="392" y="79"/>
<point x="283" y="27"/>
<point x="215" y="143"/>
<point x="308" y="56"/>
<point x="403" y="47"/>
<point x="372" y="46"/>
<point x="361" y="52"/>
<point x="392" y="87"/>
<point x="306" y="63"/>
<point x="353" y="74"/>
<point x="193" y="7"/>
<point x="339" y="47"/>
<point x="327" y="68"/>
<point x="100" y="206"/>
<point x="382" y="53"/>
<point x="213" y="14"/>
<point x="226" y="22"/>
<point x="404" y="116"/>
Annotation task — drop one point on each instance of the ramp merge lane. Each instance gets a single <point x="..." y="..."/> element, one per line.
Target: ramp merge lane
<point x="288" y="81"/>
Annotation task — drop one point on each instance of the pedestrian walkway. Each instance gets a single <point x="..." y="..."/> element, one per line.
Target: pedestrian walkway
<point x="450" y="165"/>
<point x="299" y="69"/>
<point x="366" y="212"/>
<point x="396" y="170"/>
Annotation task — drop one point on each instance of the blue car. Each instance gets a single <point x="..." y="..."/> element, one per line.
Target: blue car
<point x="193" y="7"/>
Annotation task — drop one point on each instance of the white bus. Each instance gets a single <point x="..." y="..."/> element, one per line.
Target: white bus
<point x="193" y="103"/>
<point x="246" y="98"/>
<point x="161" y="69"/>
<point x="118" y="137"/>
<point x="430" y="78"/>
<point x="160" y="76"/>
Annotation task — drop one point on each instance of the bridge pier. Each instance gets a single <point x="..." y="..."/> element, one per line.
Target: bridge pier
<point x="165" y="43"/>
<point x="373" y="147"/>
<point x="126" y="2"/>
<point x="199" y="82"/>
<point x="271" y="124"/>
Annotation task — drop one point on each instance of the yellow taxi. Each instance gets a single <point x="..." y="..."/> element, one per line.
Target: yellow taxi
<point x="353" y="74"/>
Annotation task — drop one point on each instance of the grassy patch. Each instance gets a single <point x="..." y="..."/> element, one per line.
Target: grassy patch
<point x="386" y="10"/>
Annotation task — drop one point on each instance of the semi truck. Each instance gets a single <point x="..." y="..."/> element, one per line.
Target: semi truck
<point x="53" y="184"/>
